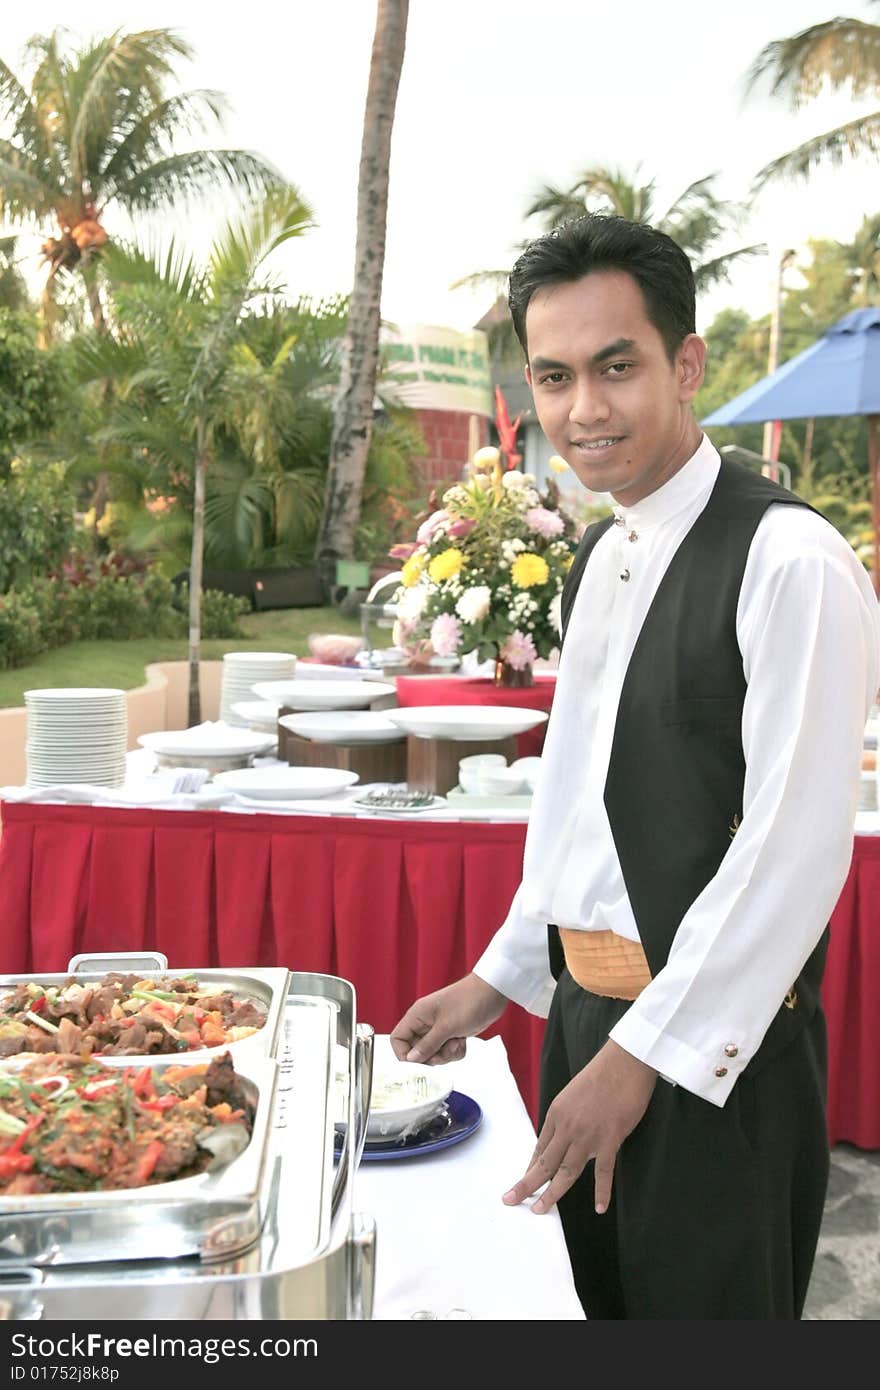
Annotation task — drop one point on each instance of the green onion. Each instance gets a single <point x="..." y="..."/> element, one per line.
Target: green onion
<point x="162" y="995"/>
<point x="10" y="1124"/>
<point x="41" y="1022"/>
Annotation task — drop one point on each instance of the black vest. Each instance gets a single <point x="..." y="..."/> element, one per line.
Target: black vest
<point x="676" y="773"/>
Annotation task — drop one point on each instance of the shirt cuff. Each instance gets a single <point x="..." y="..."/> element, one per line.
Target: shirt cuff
<point x="710" y="1077"/>
<point x="516" y="984"/>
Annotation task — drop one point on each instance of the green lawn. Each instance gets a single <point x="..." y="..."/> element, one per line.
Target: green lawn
<point x="122" y="664"/>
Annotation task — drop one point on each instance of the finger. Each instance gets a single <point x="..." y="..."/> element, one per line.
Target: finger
<point x="451" y="1051"/>
<point x="538" y="1173"/>
<point x="429" y="1047"/>
<point x="604" y="1179"/>
<point x="566" y="1175"/>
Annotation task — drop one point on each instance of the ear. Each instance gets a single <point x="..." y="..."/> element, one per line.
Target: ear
<point x="690" y="366"/>
<point x="528" y="372"/>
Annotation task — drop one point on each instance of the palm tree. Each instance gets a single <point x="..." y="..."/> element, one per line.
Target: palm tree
<point x="842" y="53"/>
<point x="353" y="413"/>
<point x="178" y="334"/>
<point x="697" y="220"/>
<point x="94" y="132"/>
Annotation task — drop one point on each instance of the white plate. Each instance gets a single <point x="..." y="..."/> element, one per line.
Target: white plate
<point x="196" y="743"/>
<point x="322" y="695"/>
<point x="467" y="722"/>
<point x="342" y="726"/>
<point x="284" y="783"/>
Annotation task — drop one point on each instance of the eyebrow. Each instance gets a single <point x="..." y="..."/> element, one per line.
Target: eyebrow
<point x="544" y="364"/>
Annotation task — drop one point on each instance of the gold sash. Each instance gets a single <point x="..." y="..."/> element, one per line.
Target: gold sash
<point x="605" y="963"/>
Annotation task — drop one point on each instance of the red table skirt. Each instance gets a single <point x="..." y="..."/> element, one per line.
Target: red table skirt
<point x="463" y="690"/>
<point x="397" y="908"/>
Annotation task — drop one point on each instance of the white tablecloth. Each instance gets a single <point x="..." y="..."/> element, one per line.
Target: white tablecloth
<point x="444" y="1238"/>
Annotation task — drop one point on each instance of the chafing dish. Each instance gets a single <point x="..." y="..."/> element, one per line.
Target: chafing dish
<point x="267" y="985"/>
<point x="211" y="1214"/>
<point x="312" y="1257"/>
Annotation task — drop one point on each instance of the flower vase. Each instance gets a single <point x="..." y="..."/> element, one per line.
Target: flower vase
<point x="511" y="677"/>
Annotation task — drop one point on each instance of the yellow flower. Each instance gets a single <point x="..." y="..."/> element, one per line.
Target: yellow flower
<point x="567" y="562"/>
<point x="411" y="572"/>
<point x="445" y="565"/>
<point x="528" y="569"/>
<point x="556" y="463"/>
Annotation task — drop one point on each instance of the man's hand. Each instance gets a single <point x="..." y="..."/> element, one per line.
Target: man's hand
<point x="434" y="1028"/>
<point x="590" y="1118"/>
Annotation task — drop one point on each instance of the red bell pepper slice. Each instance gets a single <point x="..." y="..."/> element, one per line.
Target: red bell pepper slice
<point x="150" y="1158"/>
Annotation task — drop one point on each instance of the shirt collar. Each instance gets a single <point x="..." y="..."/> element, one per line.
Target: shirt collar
<point x="694" y="478"/>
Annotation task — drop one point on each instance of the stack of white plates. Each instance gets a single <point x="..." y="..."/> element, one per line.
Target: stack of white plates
<point x="241" y="670"/>
<point x="76" y="735"/>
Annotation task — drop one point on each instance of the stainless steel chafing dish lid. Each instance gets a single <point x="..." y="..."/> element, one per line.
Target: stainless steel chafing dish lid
<point x="212" y="1214"/>
<point x="268" y="985"/>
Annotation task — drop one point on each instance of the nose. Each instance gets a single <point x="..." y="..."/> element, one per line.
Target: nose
<point x="589" y="405"/>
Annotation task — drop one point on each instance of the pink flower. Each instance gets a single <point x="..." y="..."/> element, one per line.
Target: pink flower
<point x="546" y="523"/>
<point x="460" y="528"/>
<point x="445" y="634"/>
<point x="427" y="528"/>
<point x="519" y="651"/>
<point x="403" y="550"/>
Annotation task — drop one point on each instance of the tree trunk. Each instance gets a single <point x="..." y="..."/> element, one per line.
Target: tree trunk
<point x="194" y="707"/>
<point x="353" y="409"/>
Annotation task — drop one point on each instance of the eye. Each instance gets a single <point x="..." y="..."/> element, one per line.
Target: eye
<point x="618" y="369"/>
<point x="551" y="378"/>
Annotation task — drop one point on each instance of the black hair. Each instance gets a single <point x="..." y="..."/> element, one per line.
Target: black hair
<point x="602" y="241"/>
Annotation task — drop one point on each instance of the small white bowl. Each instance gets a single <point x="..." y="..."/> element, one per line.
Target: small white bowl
<point x="469" y="779"/>
<point x="529" y="769"/>
<point x="483" y="760"/>
<point x="499" y="781"/>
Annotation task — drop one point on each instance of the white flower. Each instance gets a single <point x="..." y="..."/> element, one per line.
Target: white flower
<point x="413" y="602"/>
<point x="555" y="612"/>
<point x="474" y="603"/>
<point x="514" y="479"/>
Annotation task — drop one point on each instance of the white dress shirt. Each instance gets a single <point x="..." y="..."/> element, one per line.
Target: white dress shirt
<point x="808" y="627"/>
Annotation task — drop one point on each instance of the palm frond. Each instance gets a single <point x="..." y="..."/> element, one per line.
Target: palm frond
<point x="17" y="111"/>
<point x="144" y="141"/>
<point x="244" y="244"/>
<point x="238" y="516"/>
<point x="861" y="136"/>
<point x="555" y="206"/>
<point x="717" y="270"/>
<point x="483" y="279"/>
<point x="842" y="52"/>
<point x="114" y="66"/>
<point x="183" y="176"/>
<point x="24" y="194"/>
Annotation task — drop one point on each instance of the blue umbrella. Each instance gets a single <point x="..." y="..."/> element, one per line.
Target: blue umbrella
<point x="839" y="374"/>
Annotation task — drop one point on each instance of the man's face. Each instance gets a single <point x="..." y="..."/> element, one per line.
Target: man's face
<point x="607" y="396"/>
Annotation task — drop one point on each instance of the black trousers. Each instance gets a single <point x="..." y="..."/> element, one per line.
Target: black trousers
<point x="715" y="1211"/>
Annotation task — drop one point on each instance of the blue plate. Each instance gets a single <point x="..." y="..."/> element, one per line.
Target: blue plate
<point x="459" y="1118"/>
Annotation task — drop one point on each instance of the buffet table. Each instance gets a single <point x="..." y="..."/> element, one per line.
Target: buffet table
<point x="398" y="907"/>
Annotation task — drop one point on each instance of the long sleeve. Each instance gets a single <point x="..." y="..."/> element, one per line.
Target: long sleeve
<point x="516" y="961"/>
<point x="808" y="629"/>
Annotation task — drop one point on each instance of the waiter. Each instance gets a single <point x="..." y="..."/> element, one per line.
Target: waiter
<point x="692" y="827"/>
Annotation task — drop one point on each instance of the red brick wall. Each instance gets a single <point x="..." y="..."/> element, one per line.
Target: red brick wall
<point x="446" y="433"/>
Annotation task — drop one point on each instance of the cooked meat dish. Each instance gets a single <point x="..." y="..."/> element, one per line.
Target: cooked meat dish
<point x="71" y="1125"/>
<point x="122" y="1015"/>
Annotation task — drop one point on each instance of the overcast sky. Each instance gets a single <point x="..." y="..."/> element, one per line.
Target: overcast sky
<point x="497" y="97"/>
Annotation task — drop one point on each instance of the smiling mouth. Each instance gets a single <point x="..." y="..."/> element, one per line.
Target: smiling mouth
<point x="595" y="446"/>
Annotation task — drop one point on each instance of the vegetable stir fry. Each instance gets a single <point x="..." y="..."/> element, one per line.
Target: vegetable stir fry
<point x="70" y="1125"/>
<point x="124" y="1015"/>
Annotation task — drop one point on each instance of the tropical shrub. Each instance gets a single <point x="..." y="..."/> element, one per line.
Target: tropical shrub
<point x="36" y="522"/>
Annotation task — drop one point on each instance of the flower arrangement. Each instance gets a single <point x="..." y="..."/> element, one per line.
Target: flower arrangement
<point x="486" y="570"/>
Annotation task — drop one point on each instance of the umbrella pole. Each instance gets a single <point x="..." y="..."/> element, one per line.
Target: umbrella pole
<point x="875" y="497"/>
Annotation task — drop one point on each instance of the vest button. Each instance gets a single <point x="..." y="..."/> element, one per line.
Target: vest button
<point x="633" y="536"/>
<point x="721" y="1071"/>
<point x="731" y="1050"/>
<point x="625" y="576"/>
